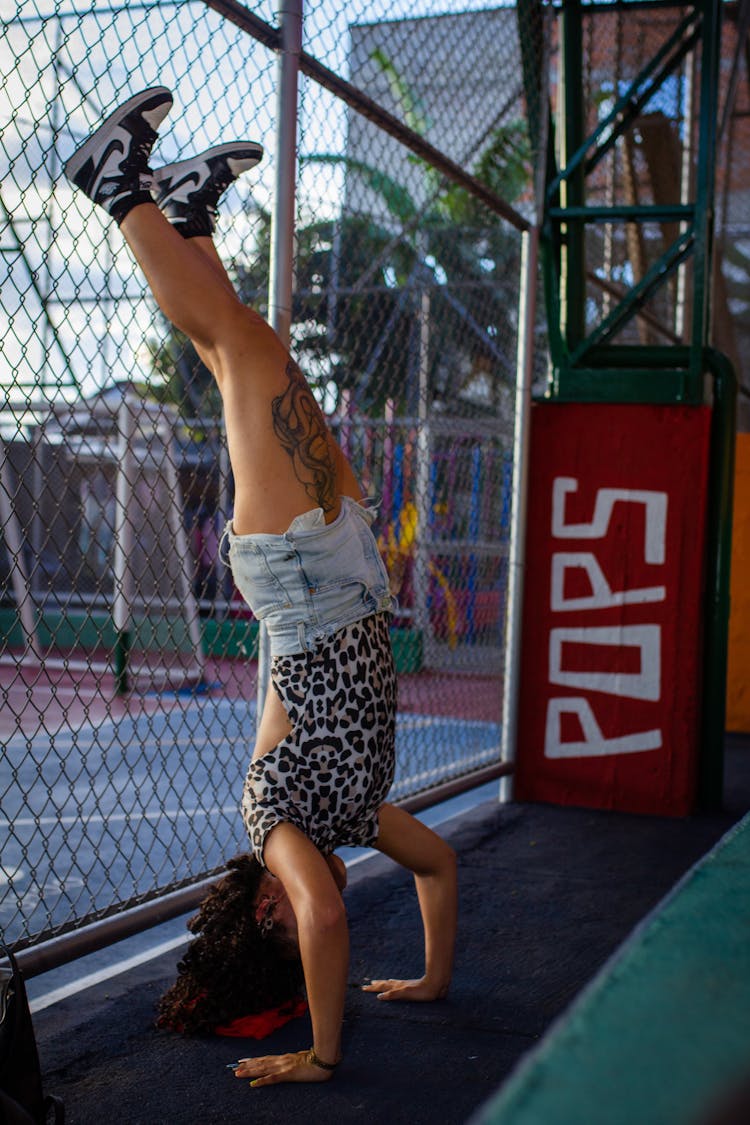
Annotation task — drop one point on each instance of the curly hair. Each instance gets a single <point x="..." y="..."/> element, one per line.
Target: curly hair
<point x="230" y="969"/>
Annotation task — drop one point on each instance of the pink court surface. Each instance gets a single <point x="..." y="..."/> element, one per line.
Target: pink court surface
<point x="67" y="693"/>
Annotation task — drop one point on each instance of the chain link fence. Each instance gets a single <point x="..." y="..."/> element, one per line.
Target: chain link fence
<point x="128" y="662"/>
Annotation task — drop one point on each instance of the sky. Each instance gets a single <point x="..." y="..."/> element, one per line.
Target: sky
<point x="64" y="65"/>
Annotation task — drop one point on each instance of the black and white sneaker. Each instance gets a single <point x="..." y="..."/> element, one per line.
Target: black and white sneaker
<point x="188" y="191"/>
<point x="111" y="167"/>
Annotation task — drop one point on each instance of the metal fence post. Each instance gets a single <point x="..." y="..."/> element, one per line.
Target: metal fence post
<point x="123" y="543"/>
<point x="280" y="282"/>
<point x="14" y="545"/>
<point x="516" y="561"/>
<point x="718" y="566"/>
<point x="166" y="436"/>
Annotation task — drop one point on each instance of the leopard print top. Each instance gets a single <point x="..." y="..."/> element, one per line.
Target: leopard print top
<point x="332" y="773"/>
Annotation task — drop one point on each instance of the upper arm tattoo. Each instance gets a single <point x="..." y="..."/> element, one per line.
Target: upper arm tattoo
<point x="300" y="427"/>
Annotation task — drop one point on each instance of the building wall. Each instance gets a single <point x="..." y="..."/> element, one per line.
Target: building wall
<point x="738" y="680"/>
<point x="461" y="75"/>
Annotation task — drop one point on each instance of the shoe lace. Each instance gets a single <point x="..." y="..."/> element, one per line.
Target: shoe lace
<point x="137" y="159"/>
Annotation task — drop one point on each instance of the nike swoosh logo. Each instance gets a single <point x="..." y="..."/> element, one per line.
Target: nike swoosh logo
<point x="114" y="148"/>
<point x="184" y="186"/>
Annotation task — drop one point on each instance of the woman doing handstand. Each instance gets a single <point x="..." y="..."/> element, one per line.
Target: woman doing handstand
<point x="304" y="557"/>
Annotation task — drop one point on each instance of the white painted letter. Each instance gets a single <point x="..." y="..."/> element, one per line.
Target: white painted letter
<point x="654" y="547"/>
<point x="645" y="684"/>
<point x="594" y="744"/>
<point x="601" y="596"/>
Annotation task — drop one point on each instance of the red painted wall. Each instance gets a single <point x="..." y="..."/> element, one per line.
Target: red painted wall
<point x="610" y="673"/>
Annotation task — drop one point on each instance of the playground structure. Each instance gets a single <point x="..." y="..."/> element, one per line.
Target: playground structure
<point x="444" y="536"/>
<point x="607" y="346"/>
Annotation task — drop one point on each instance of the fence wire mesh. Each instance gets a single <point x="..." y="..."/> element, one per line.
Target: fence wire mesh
<point x="128" y="662"/>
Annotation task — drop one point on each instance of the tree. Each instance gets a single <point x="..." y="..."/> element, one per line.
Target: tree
<point x="382" y="301"/>
<point x="363" y="284"/>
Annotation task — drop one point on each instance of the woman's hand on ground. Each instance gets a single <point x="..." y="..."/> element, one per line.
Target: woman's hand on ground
<point x="269" y="1070"/>
<point x="421" y="989"/>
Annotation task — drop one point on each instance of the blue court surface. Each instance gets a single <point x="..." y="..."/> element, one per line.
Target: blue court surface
<point x="108" y="812"/>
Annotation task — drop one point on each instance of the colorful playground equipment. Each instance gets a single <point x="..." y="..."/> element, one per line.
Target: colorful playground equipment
<point x="462" y="573"/>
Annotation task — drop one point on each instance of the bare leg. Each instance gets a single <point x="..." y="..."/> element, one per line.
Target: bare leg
<point x="189" y="284"/>
<point x="348" y="485"/>
<point x="207" y="248"/>
<point x="283" y="457"/>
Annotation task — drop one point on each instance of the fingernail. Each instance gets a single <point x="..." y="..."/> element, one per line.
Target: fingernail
<point x="232" y="1066"/>
<point x="255" y="1082"/>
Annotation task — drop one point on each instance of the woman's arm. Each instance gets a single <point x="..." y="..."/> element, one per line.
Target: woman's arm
<point x="324" y="948"/>
<point x="338" y="870"/>
<point x="413" y="845"/>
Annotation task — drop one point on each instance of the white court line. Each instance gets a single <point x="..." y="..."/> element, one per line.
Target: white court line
<point x="406" y="721"/>
<point x="8" y="874"/>
<point x="88" y="981"/>
<point x="77" y="738"/>
<point x="89" y="737"/>
<point x="463" y="765"/>
<point x="91" y="979"/>
<point x="155" y="951"/>
<point x="482" y="757"/>
<point x="112" y="818"/>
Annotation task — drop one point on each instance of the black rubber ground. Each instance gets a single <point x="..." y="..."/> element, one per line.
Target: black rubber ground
<point x="547" y="894"/>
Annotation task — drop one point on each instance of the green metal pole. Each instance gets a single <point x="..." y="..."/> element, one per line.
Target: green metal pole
<point x="705" y="178"/>
<point x="718" y="564"/>
<point x="122" y="659"/>
<point x="572" y="190"/>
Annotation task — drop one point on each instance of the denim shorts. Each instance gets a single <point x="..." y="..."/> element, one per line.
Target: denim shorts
<point x="314" y="579"/>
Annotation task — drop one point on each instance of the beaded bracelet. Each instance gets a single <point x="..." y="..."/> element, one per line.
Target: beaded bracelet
<point x="313" y="1058"/>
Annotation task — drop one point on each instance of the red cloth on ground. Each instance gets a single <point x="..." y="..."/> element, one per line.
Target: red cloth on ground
<point x="263" y="1023"/>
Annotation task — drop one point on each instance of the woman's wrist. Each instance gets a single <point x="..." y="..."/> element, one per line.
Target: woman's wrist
<point x="320" y="1061"/>
<point x="327" y="1048"/>
<point x="437" y="983"/>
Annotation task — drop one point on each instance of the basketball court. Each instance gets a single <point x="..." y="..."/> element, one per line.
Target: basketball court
<point x="110" y="792"/>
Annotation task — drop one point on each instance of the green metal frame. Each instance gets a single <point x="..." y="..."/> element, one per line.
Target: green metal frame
<point x="577" y="352"/>
<point x="587" y="366"/>
<point x="718" y="565"/>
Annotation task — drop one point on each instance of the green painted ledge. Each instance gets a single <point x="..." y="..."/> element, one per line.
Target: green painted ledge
<point x="232" y="638"/>
<point x="663" y="1032"/>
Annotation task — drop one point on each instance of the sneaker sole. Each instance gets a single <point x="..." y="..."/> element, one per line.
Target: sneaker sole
<point x="100" y="136"/>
